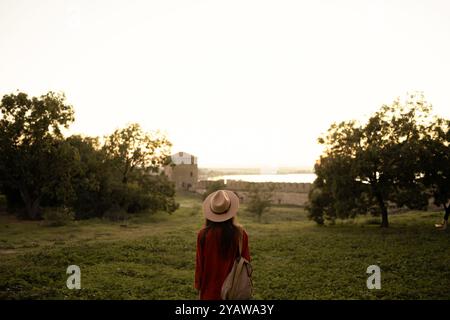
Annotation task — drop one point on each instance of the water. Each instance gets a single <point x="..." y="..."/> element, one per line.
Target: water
<point x="292" y="177"/>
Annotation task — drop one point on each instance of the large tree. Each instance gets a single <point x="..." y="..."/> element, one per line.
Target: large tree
<point x="30" y="136"/>
<point x="136" y="157"/>
<point x="435" y="163"/>
<point x="365" y="167"/>
<point x="131" y="148"/>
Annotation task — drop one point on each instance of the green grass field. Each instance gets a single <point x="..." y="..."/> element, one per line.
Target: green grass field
<point x="153" y="257"/>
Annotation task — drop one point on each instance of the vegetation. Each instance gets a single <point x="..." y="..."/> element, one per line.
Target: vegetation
<point x="31" y="145"/>
<point x="153" y="256"/>
<point x="213" y="187"/>
<point x="435" y="162"/>
<point x="130" y="248"/>
<point x="259" y="200"/>
<point x="132" y="148"/>
<point x="399" y="157"/>
<point x="41" y="169"/>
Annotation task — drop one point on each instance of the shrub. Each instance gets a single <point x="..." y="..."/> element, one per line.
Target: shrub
<point x="195" y="210"/>
<point x="213" y="187"/>
<point x="259" y="200"/>
<point x="58" y="216"/>
<point x="116" y="214"/>
<point x="3" y="202"/>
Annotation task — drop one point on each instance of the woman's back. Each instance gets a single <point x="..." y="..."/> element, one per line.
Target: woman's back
<point x="218" y="243"/>
<point x="213" y="263"/>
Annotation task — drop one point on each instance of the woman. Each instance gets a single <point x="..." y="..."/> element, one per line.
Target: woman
<point x="218" y="243"/>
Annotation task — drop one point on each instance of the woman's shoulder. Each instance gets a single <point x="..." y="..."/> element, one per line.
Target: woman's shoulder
<point x="201" y="232"/>
<point x="242" y="231"/>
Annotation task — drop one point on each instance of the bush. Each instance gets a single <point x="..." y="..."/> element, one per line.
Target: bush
<point x="116" y="213"/>
<point x="135" y="198"/>
<point x="372" y="221"/>
<point x="259" y="200"/>
<point x="3" y="202"/>
<point x="14" y="203"/>
<point x="213" y="187"/>
<point x="94" y="186"/>
<point x="195" y="210"/>
<point x="59" y="216"/>
<point x="156" y="193"/>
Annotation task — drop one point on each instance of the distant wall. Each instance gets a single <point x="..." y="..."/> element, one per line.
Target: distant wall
<point x="283" y="192"/>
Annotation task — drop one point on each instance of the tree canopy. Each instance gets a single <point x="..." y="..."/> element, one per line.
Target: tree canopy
<point x="40" y="167"/>
<point x="133" y="148"/>
<point x="30" y="144"/>
<point x="366" y="168"/>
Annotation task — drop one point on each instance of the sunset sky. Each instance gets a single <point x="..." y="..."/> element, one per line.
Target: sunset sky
<point x="236" y="83"/>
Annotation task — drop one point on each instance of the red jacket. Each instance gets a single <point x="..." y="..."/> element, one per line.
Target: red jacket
<point x="212" y="267"/>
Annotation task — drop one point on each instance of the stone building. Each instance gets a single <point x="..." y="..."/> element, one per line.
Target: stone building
<point x="183" y="171"/>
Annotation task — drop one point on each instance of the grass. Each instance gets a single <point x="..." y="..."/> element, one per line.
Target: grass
<point x="153" y="256"/>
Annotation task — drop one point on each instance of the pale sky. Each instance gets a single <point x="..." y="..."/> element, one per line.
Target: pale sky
<point x="236" y="83"/>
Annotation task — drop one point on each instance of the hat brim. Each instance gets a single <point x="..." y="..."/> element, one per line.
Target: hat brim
<point x="230" y="213"/>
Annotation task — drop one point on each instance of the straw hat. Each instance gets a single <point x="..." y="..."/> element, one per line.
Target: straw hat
<point x="220" y="206"/>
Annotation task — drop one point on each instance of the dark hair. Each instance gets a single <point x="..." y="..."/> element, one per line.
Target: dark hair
<point x="230" y="233"/>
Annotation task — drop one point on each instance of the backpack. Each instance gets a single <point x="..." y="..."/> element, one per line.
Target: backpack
<point x="238" y="284"/>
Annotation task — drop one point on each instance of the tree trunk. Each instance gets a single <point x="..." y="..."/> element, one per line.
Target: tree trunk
<point x="33" y="209"/>
<point x="384" y="217"/>
<point x="447" y="212"/>
<point x="31" y="205"/>
<point x="384" y="212"/>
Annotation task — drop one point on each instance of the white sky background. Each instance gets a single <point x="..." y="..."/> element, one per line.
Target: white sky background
<point x="237" y="83"/>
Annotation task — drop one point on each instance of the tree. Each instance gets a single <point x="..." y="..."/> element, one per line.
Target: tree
<point x="213" y="187"/>
<point x="435" y="161"/>
<point x="158" y="193"/>
<point x="100" y="188"/>
<point x="93" y="181"/>
<point x="336" y="192"/>
<point x="30" y="136"/>
<point x="41" y="168"/>
<point x="132" y="148"/>
<point x="136" y="156"/>
<point x="61" y="166"/>
<point x="259" y="200"/>
<point x="373" y="164"/>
